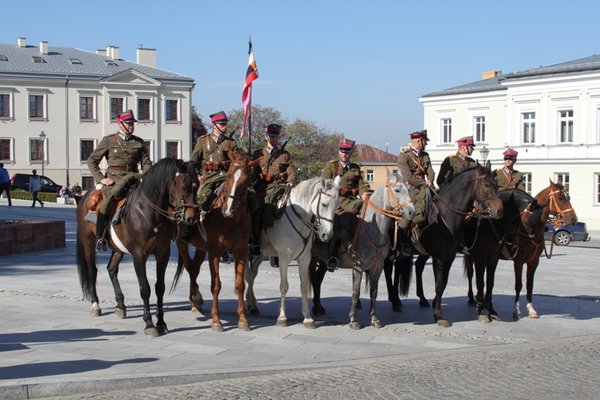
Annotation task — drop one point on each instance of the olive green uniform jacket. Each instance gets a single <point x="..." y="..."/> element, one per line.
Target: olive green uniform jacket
<point x="352" y="185"/>
<point x="452" y="166"/>
<point x="417" y="170"/>
<point x="509" y="180"/>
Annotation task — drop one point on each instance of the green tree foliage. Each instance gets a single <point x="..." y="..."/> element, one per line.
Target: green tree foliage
<point x="261" y="117"/>
<point x="198" y="128"/>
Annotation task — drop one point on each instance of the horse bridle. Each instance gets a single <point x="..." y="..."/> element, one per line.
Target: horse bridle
<point x="175" y="211"/>
<point x="477" y="211"/>
<point x="560" y="213"/>
<point x="226" y="195"/>
<point x="396" y="212"/>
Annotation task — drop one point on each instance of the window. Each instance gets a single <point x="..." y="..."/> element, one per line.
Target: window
<point x="370" y="175"/>
<point x="143" y="109"/>
<point x="172" y="149"/>
<point x="565" y="122"/>
<point x="5" y="147"/>
<point x="86" y="146"/>
<point x="36" y="150"/>
<point x="597" y="176"/>
<point x="479" y="129"/>
<point x="116" y="107"/>
<point x="528" y="127"/>
<point x="527" y="181"/>
<point x="87" y="183"/>
<point x="171" y="110"/>
<point x="446" y="130"/>
<point x="148" y="147"/>
<point x="562" y="178"/>
<point x="86" y="108"/>
<point x="4" y="105"/>
<point x="36" y="106"/>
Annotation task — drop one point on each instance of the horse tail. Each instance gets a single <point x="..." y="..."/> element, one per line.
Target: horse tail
<point x="178" y="272"/>
<point x="467" y="265"/>
<point x="404" y="264"/>
<point x="86" y="271"/>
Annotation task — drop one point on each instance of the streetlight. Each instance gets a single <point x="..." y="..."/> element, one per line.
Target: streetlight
<point x="43" y="138"/>
<point x="484" y="153"/>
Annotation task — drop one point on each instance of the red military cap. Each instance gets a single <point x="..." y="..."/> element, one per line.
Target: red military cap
<point x="466" y="141"/>
<point x="127" y="116"/>
<point x="346" y="145"/>
<point x="420" y="135"/>
<point x="273" y="129"/>
<point x="219" y="117"/>
<point x="510" y="154"/>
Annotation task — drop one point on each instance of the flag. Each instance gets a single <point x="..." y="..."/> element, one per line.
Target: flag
<point x="251" y="76"/>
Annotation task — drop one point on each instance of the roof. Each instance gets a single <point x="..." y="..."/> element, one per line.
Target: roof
<point x="72" y="62"/>
<point x="581" y="65"/>
<point x="369" y="154"/>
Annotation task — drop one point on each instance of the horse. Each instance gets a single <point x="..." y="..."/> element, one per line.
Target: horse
<point x="154" y="206"/>
<point x="370" y="244"/>
<point x="228" y="227"/>
<point x="308" y="212"/>
<point x="555" y="201"/>
<point x="492" y="240"/>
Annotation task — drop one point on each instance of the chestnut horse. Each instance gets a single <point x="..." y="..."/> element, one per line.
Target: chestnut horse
<point x="151" y="212"/>
<point x="228" y="227"/>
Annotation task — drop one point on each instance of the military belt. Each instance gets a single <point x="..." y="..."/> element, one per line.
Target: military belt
<point x="125" y="168"/>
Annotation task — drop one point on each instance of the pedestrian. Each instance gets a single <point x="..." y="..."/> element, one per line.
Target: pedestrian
<point x="354" y="191"/>
<point x="273" y="174"/>
<point x="35" y="186"/>
<point x="457" y="163"/>
<point x="77" y="193"/>
<point x="5" y="184"/>
<point x="123" y="152"/>
<point x="507" y="177"/>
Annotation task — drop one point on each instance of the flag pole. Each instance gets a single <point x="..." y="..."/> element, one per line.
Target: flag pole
<point x="250" y="104"/>
<point x="251" y="76"/>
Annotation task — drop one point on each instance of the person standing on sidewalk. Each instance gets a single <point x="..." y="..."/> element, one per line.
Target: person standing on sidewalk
<point x="5" y="183"/>
<point x="35" y="186"/>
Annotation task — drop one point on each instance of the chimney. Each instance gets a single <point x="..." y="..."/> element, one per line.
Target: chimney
<point x="112" y="52"/>
<point x="22" y="42"/>
<point x="101" y="52"/>
<point x="490" y="74"/>
<point x="44" y="47"/>
<point x="146" y="57"/>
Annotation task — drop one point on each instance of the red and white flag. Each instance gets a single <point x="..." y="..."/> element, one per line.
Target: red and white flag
<point x="251" y="76"/>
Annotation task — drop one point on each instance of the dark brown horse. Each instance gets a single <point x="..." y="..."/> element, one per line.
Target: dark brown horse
<point x="150" y="215"/>
<point x="228" y="228"/>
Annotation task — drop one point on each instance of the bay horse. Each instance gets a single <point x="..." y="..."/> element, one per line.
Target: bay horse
<point x="491" y="240"/>
<point x="555" y="201"/>
<point x="228" y="227"/>
<point x="369" y="245"/>
<point x="308" y="212"/>
<point x="153" y="208"/>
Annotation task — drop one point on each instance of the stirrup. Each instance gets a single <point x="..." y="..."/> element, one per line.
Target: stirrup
<point x="274" y="260"/>
<point x="405" y="250"/>
<point x="101" y="245"/>
<point x="256" y="250"/>
<point x="332" y="264"/>
<point x="202" y="216"/>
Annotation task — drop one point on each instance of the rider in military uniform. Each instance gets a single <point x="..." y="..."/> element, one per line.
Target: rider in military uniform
<point x="354" y="190"/>
<point x="415" y="166"/>
<point x="123" y="152"/>
<point x="210" y="156"/>
<point x="273" y="174"/>
<point x="457" y="163"/>
<point x="507" y="177"/>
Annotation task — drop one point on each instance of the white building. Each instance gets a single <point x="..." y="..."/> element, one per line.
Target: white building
<point x="72" y="96"/>
<point x="551" y="115"/>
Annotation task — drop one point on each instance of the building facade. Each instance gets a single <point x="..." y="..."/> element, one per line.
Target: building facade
<point x="57" y="103"/>
<point x="550" y="115"/>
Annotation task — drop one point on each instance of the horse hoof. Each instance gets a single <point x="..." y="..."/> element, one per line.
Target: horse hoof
<point x="424" y="303"/>
<point x="484" y="318"/>
<point x="533" y="315"/>
<point x="516" y="316"/>
<point x="216" y="328"/>
<point x="243" y="326"/>
<point x="354" y="326"/>
<point x="495" y="317"/>
<point x="197" y="310"/>
<point x="95" y="312"/>
<point x="162" y="329"/>
<point x="444" y="323"/>
<point x="282" y="322"/>
<point x="120" y="312"/>
<point x="152" y="332"/>
<point x="309" y="323"/>
<point x="376" y="324"/>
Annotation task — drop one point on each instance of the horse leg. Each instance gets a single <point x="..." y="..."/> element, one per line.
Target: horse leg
<point x="317" y="273"/>
<point x="531" y="268"/>
<point x="392" y="283"/>
<point x="518" y="267"/>
<point x="373" y="275"/>
<point x="250" y="274"/>
<point x="283" y="289"/>
<point x="441" y="271"/>
<point x="113" y="272"/>
<point x="468" y="268"/>
<point x="162" y="259"/>
<point x="192" y="266"/>
<point x="139" y="263"/>
<point x="419" y="268"/>
<point x="86" y="264"/>
<point x="489" y="289"/>
<point x="240" y="257"/>
<point x="303" y="266"/>
<point x="480" y="266"/>
<point x="356" y="279"/>
<point x="215" y="289"/>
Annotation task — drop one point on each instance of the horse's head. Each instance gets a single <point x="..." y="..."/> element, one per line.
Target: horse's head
<point x="323" y="204"/>
<point x="485" y="194"/>
<point x="398" y="199"/>
<point x="560" y="204"/>
<point x="234" y="190"/>
<point x="182" y="193"/>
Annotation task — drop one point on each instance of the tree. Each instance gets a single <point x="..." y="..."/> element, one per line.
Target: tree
<point x="261" y="117"/>
<point x="198" y="128"/>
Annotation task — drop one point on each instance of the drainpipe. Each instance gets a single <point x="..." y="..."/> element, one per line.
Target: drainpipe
<point x="67" y="129"/>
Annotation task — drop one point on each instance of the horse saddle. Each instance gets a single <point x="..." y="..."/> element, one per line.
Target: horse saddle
<point x="94" y="204"/>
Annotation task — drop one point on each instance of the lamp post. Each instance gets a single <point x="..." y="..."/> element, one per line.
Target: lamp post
<point x="43" y="138"/>
<point x="484" y="153"/>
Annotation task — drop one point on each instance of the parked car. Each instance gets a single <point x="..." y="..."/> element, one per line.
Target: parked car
<point x="566" y="234"/>
<point x="21" y="181"/>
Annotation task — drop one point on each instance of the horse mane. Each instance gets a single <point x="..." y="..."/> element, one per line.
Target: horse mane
<point x="304" y="189"/>
<point x="153" y="184"/>
<point x="463" y="175"/>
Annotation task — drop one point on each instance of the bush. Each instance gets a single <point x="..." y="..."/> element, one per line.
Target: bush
<point x="25" y="195"/>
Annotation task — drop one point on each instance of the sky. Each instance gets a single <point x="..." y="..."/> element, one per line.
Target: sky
<point x="350" y="66"/>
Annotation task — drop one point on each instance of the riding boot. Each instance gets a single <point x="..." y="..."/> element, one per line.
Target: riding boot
<point x="101" y="244"/>
<point x="333" y="262"/>
<point x="405" y="249"/>
<point x="256" y="228"/>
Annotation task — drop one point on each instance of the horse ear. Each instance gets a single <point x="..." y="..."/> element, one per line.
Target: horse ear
<point x="488" y="165"/>
<point x="337" y="181"/>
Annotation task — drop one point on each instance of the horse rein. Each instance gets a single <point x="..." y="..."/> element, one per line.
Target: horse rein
<point x="560" y="213"/>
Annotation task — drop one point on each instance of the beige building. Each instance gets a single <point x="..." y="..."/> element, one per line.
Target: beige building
<point x="56" y="103"/>
<point x="551" y="115"/>
<point x="376" y="164"/>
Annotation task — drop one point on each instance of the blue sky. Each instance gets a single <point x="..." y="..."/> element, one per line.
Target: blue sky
<point x="355" y="67"/>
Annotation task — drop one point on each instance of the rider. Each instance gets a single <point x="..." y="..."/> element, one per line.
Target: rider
<point x="123" y="152"/>
<point x="273" y="174"/>
<point x="457" y="163"/>
<point x="507" y="177"/>
<point x="354" y="190"/>
<point x="211" y="158"/>
<point x="415" y="166"/>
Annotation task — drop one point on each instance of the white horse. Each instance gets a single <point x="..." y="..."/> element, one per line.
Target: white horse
<point x="308" y="211"/>
<point x="369" y="245"/>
